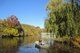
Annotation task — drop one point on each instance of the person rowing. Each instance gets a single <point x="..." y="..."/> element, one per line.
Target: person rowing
<point x="39" y="43"/>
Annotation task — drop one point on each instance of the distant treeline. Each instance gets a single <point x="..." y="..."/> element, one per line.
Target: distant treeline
<point x="12" y="27"/>
<point x="31" y="30"/>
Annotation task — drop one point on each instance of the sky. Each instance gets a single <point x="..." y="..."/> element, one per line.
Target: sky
<point x="32" y="12"/>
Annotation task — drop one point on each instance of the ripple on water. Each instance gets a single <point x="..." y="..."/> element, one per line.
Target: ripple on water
<point x="29" y="48"/>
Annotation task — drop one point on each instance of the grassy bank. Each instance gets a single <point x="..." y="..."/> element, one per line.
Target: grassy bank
<point x="75" y="41"/>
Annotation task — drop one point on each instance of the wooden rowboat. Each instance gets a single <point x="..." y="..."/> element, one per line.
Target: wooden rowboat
<point x="41" y="45"/>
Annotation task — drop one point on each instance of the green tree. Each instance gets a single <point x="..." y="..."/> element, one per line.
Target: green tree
<point x="11" y="31"/>
<point x="63" y="17"/>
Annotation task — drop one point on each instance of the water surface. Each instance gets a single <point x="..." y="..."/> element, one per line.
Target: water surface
<point x="27" y="45"/>
<point x="18" y="45"/>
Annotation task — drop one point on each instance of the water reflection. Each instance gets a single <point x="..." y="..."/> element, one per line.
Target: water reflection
<point x="26" y="45"/>
<point x="8" y="45"/>
<point x="18" y="45"/>
<point x="29" y="48"/>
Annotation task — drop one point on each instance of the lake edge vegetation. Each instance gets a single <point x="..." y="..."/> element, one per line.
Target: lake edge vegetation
<point x="11" y="27"/>
<point x="64" y="20"/>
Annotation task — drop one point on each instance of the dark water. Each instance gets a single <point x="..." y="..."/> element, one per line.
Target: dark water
<point x="18" y="45"/>
<point x="26" y="45"/>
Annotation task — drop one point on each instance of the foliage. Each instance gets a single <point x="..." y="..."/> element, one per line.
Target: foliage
<point x="10" y="26"/>
<point x="10" y="31"/>
<point x="63" y="17"/>
<point x="31" y="30"/>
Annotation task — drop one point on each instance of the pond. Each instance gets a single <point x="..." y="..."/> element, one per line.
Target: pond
<point x="26" y="45"/>
<point x="20" y="45"/>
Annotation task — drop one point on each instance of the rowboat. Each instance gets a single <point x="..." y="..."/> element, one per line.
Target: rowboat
<point x="42" y="44"/>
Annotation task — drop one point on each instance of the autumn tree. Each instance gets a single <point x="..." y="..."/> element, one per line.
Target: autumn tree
<point x="11" y="26"/>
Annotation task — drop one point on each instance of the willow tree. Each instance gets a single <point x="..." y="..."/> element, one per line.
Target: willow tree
<point x="47" y="25"/>
<point x="64" y="17"/>
<point x="76" y="17"/>
<point x="54" y="8"/>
